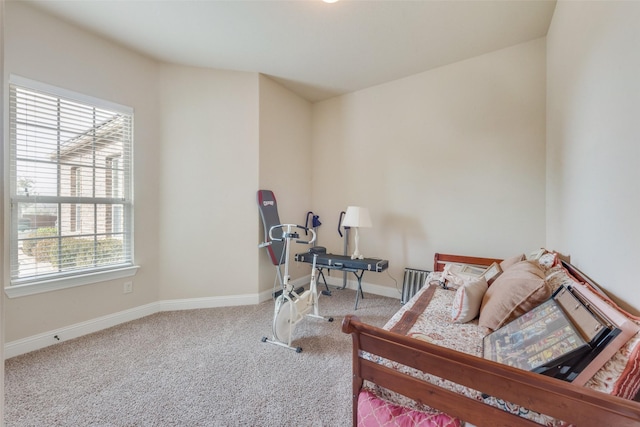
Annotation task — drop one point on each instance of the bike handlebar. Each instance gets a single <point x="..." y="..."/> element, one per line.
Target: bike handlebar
<point x="288" y="234"/>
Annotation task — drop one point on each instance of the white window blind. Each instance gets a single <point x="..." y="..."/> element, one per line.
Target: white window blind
<point x="70" y="184"/>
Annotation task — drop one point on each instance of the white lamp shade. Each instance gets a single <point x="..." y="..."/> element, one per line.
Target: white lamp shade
<point x="357" y="217"/>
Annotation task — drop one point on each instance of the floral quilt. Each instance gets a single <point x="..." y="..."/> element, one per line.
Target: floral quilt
<point x="427" y="316"/>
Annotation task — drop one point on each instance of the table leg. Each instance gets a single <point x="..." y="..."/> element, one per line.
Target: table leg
<point x="321" y="274"/>
<point x="359" y="290"/>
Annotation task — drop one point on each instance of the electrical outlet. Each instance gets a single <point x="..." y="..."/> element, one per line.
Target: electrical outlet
<point x="128" y="287"/>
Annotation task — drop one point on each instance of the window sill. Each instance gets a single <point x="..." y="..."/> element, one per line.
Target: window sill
<point x="34" y="288"/>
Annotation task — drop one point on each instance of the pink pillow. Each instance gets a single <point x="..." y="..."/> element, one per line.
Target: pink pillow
<point x="376" y="412"/>
<point x="508" y="262"/>
<point x="620" y="376"/>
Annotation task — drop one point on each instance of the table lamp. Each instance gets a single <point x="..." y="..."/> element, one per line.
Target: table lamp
<point x="356" y="217"/>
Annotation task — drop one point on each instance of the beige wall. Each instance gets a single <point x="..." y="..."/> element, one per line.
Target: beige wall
<point x="593" y="147"/>
<point x="2" y="323"/>
<point x="64" y="56"/>
<point x="197" y="169"/>
<point x="285" y="166"/>
<point x="208" y="179"/>
<point x="451" y="160"/>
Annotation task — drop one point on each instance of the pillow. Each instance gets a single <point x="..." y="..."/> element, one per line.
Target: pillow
<point x="620" y="376"/>
<point x="466" y="303"/>
<point x="506" y="263"/>
<point x="381" y="412"/>
<point x="516" y="291"/>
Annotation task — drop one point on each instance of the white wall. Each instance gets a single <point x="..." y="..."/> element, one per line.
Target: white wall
<point x="285" y="166"/>
<point x="208" y="180"/>
<point x="593" y="145"/>
<point x="46" y="49"/>
<point x="451" y="160"/>
<point x="2" y="323"/>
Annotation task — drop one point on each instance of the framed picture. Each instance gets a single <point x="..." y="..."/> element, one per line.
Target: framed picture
<point x="492" y="272"/>
<point x="536" y="254"/>
<point x="541" y="340"/>
<point x="467" y="270"/>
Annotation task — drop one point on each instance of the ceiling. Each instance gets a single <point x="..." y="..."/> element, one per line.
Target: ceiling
<point x="317" y="50"/>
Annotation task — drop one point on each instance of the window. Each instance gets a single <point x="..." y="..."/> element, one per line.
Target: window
<point x="70" y="187"/>
<point x="113" y="220"/>
<point x="75" y="215"/>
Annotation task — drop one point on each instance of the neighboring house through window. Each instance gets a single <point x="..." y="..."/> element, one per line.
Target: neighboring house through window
<point x="70" y="188"/>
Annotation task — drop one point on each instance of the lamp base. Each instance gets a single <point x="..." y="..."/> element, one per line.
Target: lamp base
<point x="356" y="252"/>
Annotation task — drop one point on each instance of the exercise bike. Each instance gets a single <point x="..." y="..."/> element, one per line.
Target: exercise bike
<point x="291" y="307"/>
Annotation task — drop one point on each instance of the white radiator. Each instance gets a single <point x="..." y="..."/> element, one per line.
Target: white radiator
<point x="413" y="280"/>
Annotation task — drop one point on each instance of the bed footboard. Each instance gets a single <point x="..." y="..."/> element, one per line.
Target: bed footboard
<point x="576" y="405"/>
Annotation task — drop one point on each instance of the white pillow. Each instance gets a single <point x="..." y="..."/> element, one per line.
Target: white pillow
<point x="467" y="301"/>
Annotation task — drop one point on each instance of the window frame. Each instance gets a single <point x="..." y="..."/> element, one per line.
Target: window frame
<point x="15" y="287"/>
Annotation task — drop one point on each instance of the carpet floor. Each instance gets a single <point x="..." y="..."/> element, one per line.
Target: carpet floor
<point x="204" y="367"/>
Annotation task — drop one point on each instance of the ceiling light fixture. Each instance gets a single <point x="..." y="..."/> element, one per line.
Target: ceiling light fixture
<point x="329" y="1"/>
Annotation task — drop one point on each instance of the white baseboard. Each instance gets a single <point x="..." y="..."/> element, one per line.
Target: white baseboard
<point x="337" y="282"/>
<point x="36" y="342"/>
<point x="301" y="281"/>
<point x="207" y="302"/>
<point x="384" y="291"/>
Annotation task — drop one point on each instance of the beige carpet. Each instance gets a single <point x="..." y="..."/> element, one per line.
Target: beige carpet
<point x="194" y="368"/>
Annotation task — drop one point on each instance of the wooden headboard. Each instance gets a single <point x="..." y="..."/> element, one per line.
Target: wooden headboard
<point x="440" y="260"/>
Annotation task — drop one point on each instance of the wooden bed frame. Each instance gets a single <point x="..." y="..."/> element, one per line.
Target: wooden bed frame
<point x="573" y="404"/>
